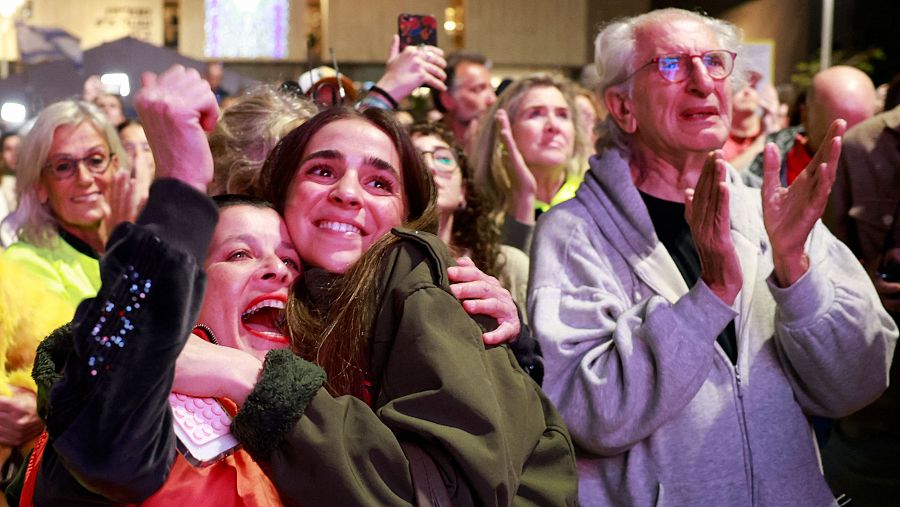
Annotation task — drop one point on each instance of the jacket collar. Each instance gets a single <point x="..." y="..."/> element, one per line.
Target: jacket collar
<point x="615" y="205"/>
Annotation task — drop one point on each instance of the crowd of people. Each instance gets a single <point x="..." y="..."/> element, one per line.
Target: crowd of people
<point x="653" y="292"/>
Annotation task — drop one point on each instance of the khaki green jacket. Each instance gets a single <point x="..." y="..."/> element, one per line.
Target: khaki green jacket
<point x="493" y="434"/>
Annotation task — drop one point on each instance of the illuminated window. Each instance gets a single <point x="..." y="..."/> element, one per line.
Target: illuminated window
<point x="247" y="28"/>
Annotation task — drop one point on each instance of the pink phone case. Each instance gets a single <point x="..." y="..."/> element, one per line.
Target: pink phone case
<point x="203" y="429"/>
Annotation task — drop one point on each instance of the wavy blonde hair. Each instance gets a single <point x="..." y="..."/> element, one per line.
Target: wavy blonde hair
<point x="247" y="132"/>
<point x="491" y="168"/>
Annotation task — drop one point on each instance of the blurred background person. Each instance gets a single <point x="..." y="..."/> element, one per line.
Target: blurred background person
<point x="837" y="92"/>
<point x="592" y="112"/>
<point x="746" y="118"/>
<point x="247" y="131"/>
<point x="112" y="106"/>
<point x="464" y="222"/>
<point x="530" y="157"/>
<point x="134" y="141"/>
<point x="467" y="95"/>
<point x="775" y="112"/>
<point x="755" y="114"/>
<point x="214" y="73"/>
<point x="9" y="144"/>
<point x="129" y="192"/>
<point x="465" y="225"/>
<point x="860" y="457"/>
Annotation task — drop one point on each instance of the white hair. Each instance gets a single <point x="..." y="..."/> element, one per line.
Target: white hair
<point x="616" y="46"/>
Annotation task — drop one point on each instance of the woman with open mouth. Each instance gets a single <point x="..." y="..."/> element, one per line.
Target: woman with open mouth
<point x="109" y="437"/>
<point x="249" y="268"/>
<point x="388" y="358"/>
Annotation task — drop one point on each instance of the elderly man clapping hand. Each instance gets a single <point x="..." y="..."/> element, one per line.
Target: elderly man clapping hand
<point x="690" y="325"/>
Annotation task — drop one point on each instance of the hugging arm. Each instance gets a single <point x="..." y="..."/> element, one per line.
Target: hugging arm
<point x="439" y="388"/>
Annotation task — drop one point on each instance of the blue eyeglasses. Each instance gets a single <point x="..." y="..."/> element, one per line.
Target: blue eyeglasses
<point x="677" y="67"/>
<point x="444" y="160"/>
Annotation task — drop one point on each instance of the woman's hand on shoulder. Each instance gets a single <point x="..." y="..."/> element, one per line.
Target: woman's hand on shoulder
<point x="176" y="107"/>
<point x="213" y="371"/>
<point x="482" y="294"/>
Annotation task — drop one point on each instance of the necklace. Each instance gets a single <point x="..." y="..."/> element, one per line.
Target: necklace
<point x="207" y="332"/>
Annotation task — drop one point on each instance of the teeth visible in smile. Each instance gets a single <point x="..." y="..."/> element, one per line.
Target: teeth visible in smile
<point x="338" y="226"/>
<point x="85" y="198"/>
<point x="268" y="303"/>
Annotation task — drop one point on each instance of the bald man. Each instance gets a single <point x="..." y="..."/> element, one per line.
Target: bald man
<point x="837" y="92"/>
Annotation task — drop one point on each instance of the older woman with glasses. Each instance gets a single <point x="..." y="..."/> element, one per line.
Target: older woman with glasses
<point x="66" y="165"/>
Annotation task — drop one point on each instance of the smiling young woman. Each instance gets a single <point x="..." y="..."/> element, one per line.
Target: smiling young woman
<point x="384" y="344"/>
<point x="401" y="360"/>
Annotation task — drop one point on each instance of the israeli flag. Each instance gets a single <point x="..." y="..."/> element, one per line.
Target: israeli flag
<point x="42" y="44"/>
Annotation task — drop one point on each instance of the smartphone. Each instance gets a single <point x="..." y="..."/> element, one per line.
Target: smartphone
<point x="416" y="29"/>
<point x="203" y="428"/>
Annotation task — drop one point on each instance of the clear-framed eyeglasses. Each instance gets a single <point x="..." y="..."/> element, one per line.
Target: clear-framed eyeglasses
<point x="63" y="168"/>
<point x="443" y="158"/>
<point x="677" y="67"/>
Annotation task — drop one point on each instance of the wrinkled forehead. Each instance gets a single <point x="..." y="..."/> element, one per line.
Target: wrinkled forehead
<point x="674" y="35"/>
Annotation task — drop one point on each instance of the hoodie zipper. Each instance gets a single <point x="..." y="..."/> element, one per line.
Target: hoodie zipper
<point x="744" y="433"/>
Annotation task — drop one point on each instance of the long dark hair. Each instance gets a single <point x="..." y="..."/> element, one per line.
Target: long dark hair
<point x="335" y="336"/>
<point x="474" y="230"/>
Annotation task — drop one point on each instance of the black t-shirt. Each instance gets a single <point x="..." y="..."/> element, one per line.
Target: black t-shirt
<point x="675" y="234"/>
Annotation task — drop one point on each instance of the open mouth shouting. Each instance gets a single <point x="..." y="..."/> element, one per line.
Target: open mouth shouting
<point x="265" y="318"/>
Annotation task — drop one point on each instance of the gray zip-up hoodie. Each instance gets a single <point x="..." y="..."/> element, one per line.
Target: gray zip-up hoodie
<point x="659" y="413"/>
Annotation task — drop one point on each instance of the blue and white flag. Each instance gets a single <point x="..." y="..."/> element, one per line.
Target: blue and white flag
<point x="42" y="44"/>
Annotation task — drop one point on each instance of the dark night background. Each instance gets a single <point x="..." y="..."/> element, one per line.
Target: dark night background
<point x="859" y="25"/>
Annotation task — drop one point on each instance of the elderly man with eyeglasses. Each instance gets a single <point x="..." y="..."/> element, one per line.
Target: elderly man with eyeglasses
<point x="691" y="325"/>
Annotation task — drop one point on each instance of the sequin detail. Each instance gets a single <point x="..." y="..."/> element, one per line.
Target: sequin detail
<point x="116" y="320"/>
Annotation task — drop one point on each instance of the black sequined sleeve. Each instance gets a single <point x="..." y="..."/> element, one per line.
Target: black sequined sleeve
<point x="108" y="420"/>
